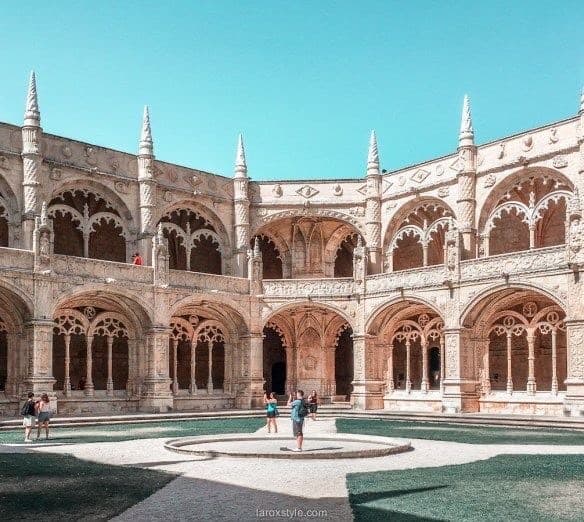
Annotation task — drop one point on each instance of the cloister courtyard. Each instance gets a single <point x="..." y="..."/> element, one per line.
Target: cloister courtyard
<point x="454" y="471"/>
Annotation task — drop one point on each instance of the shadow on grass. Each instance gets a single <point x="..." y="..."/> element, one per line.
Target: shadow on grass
<point x="62" y="487"/>
<point x="362" y="498"/>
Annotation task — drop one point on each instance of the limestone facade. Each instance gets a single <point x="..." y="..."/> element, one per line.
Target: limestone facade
<point x="451" y="285"/>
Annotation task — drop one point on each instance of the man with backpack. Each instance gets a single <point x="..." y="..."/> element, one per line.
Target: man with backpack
<point x="28" y="412"/>
<point x="298" y="413"/>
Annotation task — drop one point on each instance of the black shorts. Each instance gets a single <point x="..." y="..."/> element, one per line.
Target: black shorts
<point x="271" y="415"/>
<point x="312" y="408"/>
<point x="297" y="428"/>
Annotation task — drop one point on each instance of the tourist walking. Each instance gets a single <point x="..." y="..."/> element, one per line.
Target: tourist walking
<point x="298" y="412"/>
<point x="28" y="412"/>
<point x="44" y="415"/>
<point x="313" y="404"/>
<point x="271" y="411"/>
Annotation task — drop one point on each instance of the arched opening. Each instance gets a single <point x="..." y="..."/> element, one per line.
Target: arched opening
<point x="4" y="230"/>
<point x="315" y="346"/>
<point x="272" y="263"/>
<point x="193" y="242"/>
<point x="87" y="225"/>
<point x="274" y="352"/>
<point x="525" y="212"/>
<point x="308" y="247"/>
<point x="522" y="344"/>
<point x="410" y="340"/>
<point x="344" y="365"/>
<point x="344" y="257"/>
<point x="416" y="236"/>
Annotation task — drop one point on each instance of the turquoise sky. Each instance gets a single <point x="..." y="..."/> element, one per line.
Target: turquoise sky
<point x="305" y="81"/>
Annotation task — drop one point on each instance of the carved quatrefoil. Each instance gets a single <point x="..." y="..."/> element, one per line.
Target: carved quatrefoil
<point x="306" y="191"/>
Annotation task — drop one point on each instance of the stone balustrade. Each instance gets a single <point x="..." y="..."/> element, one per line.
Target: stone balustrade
<point x="101" y="270"/>
<point x="527" y="262"/>
<point x="209" y="282"/>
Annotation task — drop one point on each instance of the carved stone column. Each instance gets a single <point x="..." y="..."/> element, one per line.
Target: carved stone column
<point x="389" y="379"/>
<point x="408" y="366"/>
<point x="554" y="389"/>
<point x="531" y="385"/>
<point x="210" y="376"/>
<point x="509" y="363"/>
<point x="460" y="383"/>
<point x="241" y="210"/>
<point x="367" y="392"/>
<point x="89" y="387"/>
<point x="67" y="377"/>
<point x="174" y="366"/>
<point x="156" y="392"/>
<point x="255" y="378"/>
<point x="373" y="207"/>
<point x="193" y="385"/>
<point x="575" y="380"/>
<point x="425" y="384"/>
<point x="40" y="356"/>
<point x="110" y="380"/>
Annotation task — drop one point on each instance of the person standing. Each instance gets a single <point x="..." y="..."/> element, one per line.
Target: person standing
<point x="313" y="404"/>
<point x="28" y="412"/>
<point x="44" y="415"/>
<point x="271" y="411"/>
<point x="298" y="412"/>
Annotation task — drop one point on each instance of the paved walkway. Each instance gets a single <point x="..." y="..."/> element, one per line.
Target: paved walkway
<point x="242" y="489"/>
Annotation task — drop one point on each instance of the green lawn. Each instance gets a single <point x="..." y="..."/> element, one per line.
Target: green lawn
<point x="61" y="487"/>
<point x="460" y="432"/>
<point x="120" y="432"/>
<point x="507" y="487"/>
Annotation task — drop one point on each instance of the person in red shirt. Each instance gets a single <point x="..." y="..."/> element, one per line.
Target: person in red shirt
<point x="137" y="259"/>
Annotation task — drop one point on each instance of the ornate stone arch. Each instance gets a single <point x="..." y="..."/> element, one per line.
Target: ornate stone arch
<point x="523" y="200"/>
<point x="109" y="324"/>
<point x="419" y="224"/>
<point x="10" y="218"/>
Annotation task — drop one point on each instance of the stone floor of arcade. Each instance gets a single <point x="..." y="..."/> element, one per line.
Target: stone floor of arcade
<point x="454" y="471"/>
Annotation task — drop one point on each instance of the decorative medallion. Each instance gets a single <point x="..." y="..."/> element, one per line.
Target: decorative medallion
<point x="121" y="187"/>
<point x="439" y="169"/>
<point x="114" y="165"/>
<point x="55" y="173"/>
<point x="527" y="143"/>
<point x="443" y="192"/>
<point x="90" y="156"/>
<point x="277" y="191"/>
<point x="553" y="136"/>
<point x="3" y="162"/>
<point x="66" y="151"/>
<point x="529" y="309"/>
<point x="559" y="162"/>
<point x="89" y="312"/>
<point x="167" y="196"/>
<point x="306" y="191"/>
<point x="337" y="190"/>
<point x="401" y="181"/>
<point x="501" y="153"/>
<point x="194" y="320"/>
<point x="490" y="180"/>
<point x="419" y="176"/>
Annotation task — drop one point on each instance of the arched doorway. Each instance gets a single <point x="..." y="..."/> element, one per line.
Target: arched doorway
<point x="344" y="364"/>
<point x="314" y="345"/>
<point x="274" y="348"/>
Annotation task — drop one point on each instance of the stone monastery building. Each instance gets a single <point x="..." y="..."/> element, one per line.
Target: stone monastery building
<point x="452" y="285"/>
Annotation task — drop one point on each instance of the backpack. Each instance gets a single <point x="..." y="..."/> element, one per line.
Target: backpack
<point x="25" y="409"/>
<point x="302" y="409"/>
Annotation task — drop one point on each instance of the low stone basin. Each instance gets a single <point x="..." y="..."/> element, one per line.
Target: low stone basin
<point x="337" y="446"/>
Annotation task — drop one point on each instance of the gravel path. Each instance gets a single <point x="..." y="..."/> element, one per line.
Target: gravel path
<point x="242" y="489"/>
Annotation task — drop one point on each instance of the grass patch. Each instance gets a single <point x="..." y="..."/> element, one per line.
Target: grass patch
<point x="62" y="487"/>
<point x="150" y="430"/>
<point x="507" y="487"/>
<point x="452" y="432"/>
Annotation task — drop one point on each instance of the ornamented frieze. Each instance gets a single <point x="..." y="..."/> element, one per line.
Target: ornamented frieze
<point x="309" y="287"/>
<point x="209" y="282"/>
